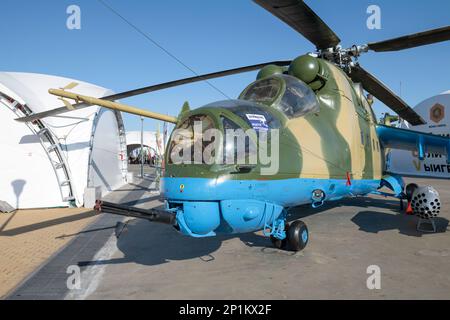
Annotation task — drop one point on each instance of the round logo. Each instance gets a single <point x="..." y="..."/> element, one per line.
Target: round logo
<point x="181" y="187"/>
<point x="437" y="112"/>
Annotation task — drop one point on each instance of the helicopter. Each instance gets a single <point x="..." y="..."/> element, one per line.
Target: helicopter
<point x="311" y="112"/>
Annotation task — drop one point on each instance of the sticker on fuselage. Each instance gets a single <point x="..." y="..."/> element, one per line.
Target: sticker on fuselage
<point x="257" y="121"/>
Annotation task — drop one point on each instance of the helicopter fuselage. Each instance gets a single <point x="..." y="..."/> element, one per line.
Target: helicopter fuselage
<point x="326" y="152"/>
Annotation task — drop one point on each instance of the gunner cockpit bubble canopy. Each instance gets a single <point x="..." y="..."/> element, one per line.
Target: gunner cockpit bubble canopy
<point x="288" y="94"/>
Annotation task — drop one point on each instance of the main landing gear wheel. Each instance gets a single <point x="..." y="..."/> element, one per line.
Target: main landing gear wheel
<point x="409" y="191"/>
<point x="297" y="236"/>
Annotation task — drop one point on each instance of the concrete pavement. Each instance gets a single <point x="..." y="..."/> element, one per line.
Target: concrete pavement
<point x="29" y="237"/>
<point x="152" y="261"/>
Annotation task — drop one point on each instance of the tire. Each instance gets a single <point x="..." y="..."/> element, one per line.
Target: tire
<point x="409" y="190"/>
<point x="297" y="236"/>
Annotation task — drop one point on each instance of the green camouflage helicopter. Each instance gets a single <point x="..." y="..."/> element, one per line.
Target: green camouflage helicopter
<point x="328" y="144"/>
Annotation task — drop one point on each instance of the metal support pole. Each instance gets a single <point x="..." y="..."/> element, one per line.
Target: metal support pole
<point x="142" y="147"/>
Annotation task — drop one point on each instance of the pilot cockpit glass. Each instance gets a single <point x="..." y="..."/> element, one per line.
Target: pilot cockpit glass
<point x="298" y="98"/>
<point x="263" y="91"/>
<point x="288" y="94"/>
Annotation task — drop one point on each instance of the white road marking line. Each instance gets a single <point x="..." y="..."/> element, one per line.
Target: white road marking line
<point x="91" y="277"/>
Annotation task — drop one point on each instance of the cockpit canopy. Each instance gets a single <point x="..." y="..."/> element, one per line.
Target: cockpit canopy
<point x="286" y="93"/>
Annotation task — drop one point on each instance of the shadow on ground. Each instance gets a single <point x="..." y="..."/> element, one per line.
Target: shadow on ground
<point x="45" y="224"/>
<point x="374" y="222"/>
<point x="147" y="243"/>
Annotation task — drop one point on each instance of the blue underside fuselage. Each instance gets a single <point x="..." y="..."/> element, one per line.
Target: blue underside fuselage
<point x="205" y="207"/>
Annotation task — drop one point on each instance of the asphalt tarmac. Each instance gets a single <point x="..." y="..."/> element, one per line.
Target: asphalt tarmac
<point x="350" y="242"/>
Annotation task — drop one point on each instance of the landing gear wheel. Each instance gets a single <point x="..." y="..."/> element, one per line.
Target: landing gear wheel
<point x="297" y="236"/>
<point x="277" y="243"/>
<point x="409" y="190"/>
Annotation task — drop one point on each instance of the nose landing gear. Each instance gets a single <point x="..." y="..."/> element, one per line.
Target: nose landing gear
<point x="297" y="237"/>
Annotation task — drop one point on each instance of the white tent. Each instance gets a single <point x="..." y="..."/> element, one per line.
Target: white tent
<point x="436" y="112"/>
<point x="49" y="163"/>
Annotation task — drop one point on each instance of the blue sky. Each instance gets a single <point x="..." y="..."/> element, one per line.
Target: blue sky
<point x="209" y="35"/>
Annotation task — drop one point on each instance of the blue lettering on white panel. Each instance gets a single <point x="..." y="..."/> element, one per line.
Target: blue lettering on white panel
<point x="258" y="122"/>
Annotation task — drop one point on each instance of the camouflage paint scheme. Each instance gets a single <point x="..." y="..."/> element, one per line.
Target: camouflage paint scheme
<point x="324" y="145"/>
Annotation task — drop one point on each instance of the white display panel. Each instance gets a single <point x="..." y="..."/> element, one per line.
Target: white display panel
<point x="436" y="112"/>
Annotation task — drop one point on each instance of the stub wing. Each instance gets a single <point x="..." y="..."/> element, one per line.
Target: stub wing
<point x="403" y="139"/>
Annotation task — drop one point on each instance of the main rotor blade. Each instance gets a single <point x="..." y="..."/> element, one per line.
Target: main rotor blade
<point x="303" y="19"/>
<point x="152" y="88"/>
<point x="412" y="40"/>
<point x="385" y="95"/>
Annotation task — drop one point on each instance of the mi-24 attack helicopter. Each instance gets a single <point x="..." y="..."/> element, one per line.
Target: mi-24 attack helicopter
<point x="329" y="141"/>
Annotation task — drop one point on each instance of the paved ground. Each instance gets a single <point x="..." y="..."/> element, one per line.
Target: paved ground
<point x="141" y="260"/>
<point x="29" y="237"/>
